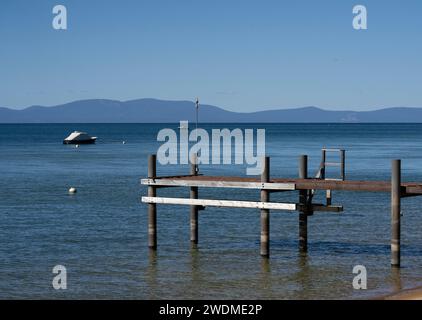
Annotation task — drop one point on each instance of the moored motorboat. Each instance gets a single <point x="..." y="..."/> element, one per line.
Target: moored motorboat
<point x="78" y="137"/>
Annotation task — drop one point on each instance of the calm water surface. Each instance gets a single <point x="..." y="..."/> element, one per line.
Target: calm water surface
<point x="99" y="234"/>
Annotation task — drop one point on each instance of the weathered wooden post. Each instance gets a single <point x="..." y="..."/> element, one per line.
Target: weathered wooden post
<point x="303" y="212"/>
<point x="343" y="164"/>
<point x="395" y="212"/>
<point x="323" y="160"/>
<point x="152" y="207"/>
<point x="194" y="209"/>
<point x="328" y="195"/>
<point x="265" y="213"/>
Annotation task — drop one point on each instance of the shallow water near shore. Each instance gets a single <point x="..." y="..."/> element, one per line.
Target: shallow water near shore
<point x="100" y="233"/>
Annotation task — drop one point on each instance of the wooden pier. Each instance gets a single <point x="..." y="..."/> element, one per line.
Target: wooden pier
<point x="305" y="186"/>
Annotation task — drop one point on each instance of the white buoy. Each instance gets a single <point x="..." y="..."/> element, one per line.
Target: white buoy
<point x="124" y="142"/>
<point x="77" y="146"/>
<point x="72" y="190"/>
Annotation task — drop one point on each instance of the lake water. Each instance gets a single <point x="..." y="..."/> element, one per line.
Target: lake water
<point x="100" y="234"/>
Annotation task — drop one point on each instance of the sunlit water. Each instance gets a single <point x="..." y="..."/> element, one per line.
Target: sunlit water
<point x="100" y="234"/>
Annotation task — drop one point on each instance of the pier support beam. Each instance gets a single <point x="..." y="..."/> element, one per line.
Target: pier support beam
<point x="265" y="213"/>
<point x="395" y="212"/>
<point x="303" y="213"/>
<point x="152" y="207"/>
<point x="194" y="209"/>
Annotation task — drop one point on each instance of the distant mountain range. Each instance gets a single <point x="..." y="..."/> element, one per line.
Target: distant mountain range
<point x="156" y="111"/>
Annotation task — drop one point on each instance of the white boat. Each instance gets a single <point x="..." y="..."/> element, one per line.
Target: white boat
<point x="78" y="137"/>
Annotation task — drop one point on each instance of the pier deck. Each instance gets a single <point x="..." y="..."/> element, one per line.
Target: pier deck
<point x="305" y="189"/>
<point x="282" y="184"/>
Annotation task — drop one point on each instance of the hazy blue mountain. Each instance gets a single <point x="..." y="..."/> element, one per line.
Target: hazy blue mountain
<point x="152" y="110"/>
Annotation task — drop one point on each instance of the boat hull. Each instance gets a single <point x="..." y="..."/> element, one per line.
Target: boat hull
<point x="90" y="141"/>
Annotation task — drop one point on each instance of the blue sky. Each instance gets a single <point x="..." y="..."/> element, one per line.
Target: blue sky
<point x="238" y="54"/>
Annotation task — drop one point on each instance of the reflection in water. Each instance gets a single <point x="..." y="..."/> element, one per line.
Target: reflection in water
<point x="303" y="274"/>
<point x="266" y="277"/>
<point x="151" y="274"/>
<point x="265" y="267"/>
<point x="195" y="271"/>
<point x="395" y="278"/>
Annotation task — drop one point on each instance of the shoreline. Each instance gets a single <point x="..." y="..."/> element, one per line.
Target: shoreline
<point x="404" y="294"/>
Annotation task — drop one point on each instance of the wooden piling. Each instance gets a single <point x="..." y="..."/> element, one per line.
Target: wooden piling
<point x="265" y="213"/>
<point x="328" y="197"/>
<point x="395" y="212"/>
<point x="152" y="207"/>
<point x="322" y="165"/>
<point x="322" y="176"/>
<point x="194" y="209"/>
<point x="303" y="213"/>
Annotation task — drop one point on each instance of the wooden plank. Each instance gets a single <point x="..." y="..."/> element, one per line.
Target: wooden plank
<point x="332" y="149"/>
<point x="178" y="176"/>
<point x="217" y="184"/>
<point x="221" y="203"/>
<point x="412" y="189"/>
<point x="282" y="184"/>
<point x="347" y="185"/>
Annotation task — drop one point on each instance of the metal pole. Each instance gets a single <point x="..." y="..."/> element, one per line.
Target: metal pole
<point x="152" y="207"/>
<point x="194" y="209"/>
<point x="196" y="133"/>
<point x="265" y="214"/>
<point x="197" y="117"/>
<point x="395" y="212"/>
<point x="303" y="213"/>
<point x="197" y="113"/>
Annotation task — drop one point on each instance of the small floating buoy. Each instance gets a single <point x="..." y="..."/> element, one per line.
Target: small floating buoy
<point x="72" y="190"/>
<point x="77" y="146"/>
<point x="124" y="142"/>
